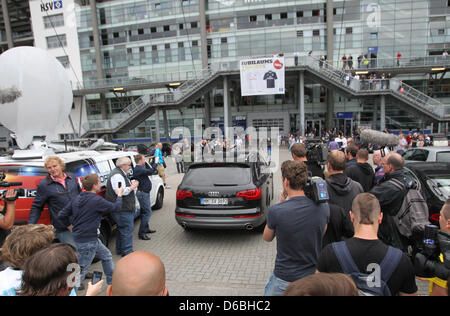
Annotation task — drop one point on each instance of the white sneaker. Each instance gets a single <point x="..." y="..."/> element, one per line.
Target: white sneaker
<point x="166" y="186"/>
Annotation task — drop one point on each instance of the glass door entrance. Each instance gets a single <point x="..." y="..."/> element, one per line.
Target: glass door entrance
<point x="313" y="127"/>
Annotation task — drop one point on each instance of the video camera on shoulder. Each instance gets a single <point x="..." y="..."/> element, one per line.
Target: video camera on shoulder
<point x="427" y="262"/>
<point x="6" y="184"/>
<point x="316" y="151"/>
<point x="316" y="189"/>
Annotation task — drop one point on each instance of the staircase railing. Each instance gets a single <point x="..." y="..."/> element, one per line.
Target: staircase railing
<point x="347" y="81"/>
<point x="154" y="99"/>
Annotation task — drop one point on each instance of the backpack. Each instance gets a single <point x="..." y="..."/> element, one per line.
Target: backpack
<point x="412" y="216"/>
<point x="364" y="281"/>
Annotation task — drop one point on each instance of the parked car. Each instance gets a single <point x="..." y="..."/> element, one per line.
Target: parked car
<point x="434" y="179"/>
<point x="31" y="171"/>
<point x="429" y="154"/>
<point x="231" y="195"/>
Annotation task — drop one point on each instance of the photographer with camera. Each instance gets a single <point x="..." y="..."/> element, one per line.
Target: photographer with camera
<point x="299" y="225"/>
<point x="8" y="214"/>
<point x="299" y="153"/>
<point x="434" y="260"/>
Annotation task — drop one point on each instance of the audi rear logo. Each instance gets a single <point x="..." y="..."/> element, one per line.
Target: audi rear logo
<point x="213" y="194"/>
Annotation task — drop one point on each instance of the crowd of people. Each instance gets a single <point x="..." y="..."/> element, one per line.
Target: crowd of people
<point x="35" y="266"/>
<point x="356" y="229"/>
<point x="322" y="248"/>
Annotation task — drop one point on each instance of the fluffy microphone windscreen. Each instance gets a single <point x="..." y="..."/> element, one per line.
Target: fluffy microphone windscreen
<point x="369" y="136"/>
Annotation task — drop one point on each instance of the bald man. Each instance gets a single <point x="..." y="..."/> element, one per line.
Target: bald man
<point x="138" y="274"/>
<point x="391" y="198"/>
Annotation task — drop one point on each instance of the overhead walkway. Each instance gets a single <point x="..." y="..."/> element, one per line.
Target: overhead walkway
<point x="324" y="73"/>
<point x="422" y="65"/>
<point x="403" y="94"/>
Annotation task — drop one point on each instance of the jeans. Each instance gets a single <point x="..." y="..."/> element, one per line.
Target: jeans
<point x="65" y="237"/>
<point x="146" y="211"/>
<point x="125" y="228"/>
<point x="88" y="251"/>
<point x="180" y="167"/>
<point x="275" y="286"/>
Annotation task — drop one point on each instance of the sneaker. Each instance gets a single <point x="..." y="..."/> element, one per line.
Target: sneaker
<point x="166" y="186"/>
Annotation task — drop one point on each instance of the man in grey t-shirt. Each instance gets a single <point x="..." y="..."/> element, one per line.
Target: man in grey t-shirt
<point x="299" y="225"/>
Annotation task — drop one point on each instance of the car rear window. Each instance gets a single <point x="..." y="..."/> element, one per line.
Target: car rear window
<point x="443" y="183"/>
<point x="443" y="156"/>
<point x="218" y="176"/>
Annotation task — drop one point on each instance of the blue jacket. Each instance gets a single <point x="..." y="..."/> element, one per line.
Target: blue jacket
<point x="85" y="213"/>
<point x="141" y="174"/>
<point x="56" y="196"/>
<point x="158" y="153"/>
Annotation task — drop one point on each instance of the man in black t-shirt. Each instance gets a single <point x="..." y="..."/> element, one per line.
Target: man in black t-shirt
<point x="299" y="226"/>
<point x="366" y="250"/>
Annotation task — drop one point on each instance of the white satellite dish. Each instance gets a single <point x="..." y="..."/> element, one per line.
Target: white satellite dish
<point x="42" y="94"/>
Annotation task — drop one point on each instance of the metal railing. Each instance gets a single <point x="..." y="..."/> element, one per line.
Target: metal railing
<point x="156" y="99"/>
<point x="397" y="87"/>
<point x="127" y="81"/>
<point x="344" y="79"/>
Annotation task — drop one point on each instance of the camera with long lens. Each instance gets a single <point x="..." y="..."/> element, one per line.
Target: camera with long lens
<point x="6" y="184"/>
<point x="427" y="263"/>
<point x="316" y="189"/>
<point x="316" y="151"/>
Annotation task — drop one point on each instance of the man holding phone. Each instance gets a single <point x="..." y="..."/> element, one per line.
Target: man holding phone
<point x="85" y="214"/>
<point x="124" y="218"/>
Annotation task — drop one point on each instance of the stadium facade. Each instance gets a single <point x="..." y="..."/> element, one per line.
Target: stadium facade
<point x="162" y="43"/>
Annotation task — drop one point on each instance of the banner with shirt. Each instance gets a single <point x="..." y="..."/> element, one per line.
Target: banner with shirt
<point x="262" y="76"/>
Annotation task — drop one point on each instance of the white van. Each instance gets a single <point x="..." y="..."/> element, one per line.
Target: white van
<point x="30" y="171"/>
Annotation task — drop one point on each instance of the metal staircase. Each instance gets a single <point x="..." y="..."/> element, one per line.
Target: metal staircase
<point x="145" y="106"/>
<point x="347" y="84"/>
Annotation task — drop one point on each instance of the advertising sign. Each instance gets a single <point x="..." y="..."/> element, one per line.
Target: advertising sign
<point x="262" y="76"/>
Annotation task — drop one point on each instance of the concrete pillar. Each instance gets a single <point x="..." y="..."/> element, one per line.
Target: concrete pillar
<point x="301" y="103"/>
<point x="330" y="51"/>
<point x="204" y="48"/>
<point x="166" y="126"/>
<point x="7" y="23"/>
<point x="382" y="113"/>
<point x="226" y="107"/>
<point x="375" y="117"/>
<point x="98" y="55"/>
<point x="157" y="137"/>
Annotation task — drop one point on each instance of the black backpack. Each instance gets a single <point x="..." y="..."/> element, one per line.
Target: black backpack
<point x="364" y="282"/>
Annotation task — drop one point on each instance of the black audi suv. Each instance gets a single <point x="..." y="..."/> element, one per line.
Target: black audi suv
<point x="228" y="195"/>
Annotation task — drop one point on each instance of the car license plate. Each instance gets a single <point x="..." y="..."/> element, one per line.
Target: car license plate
<point x="219" y="201"/>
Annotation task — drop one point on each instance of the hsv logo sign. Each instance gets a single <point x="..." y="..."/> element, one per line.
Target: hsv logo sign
<point x="262" y="76"/>
<point x="277" y="64"/>
<point x="54" y="5"/>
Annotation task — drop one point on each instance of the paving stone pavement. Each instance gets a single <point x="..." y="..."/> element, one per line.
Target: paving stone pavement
<point x="209" y="262"/>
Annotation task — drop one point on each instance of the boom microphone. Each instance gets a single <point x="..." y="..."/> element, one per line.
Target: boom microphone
<point x="9" y="95"/>
<point x="369" y="136"/>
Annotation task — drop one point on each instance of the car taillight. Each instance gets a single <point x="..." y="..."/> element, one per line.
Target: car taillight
<point x="181" y="195"/>
<point x="254" y="194"/>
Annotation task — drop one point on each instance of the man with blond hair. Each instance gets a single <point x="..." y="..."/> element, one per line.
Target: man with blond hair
<point x="367" y="252"/>
<point x="21" y="244"/>
<point x="56" y="190"/>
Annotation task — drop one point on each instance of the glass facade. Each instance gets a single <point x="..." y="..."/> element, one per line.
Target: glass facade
<point x="142" y="38"/>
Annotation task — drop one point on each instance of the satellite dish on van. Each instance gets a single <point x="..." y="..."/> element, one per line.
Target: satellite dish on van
<point x="35" y="93"/>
